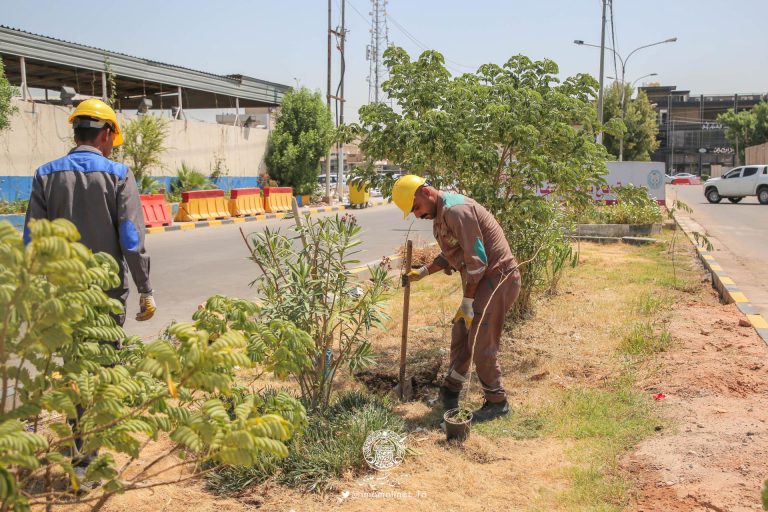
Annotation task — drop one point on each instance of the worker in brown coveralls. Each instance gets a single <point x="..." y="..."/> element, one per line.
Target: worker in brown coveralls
<point x="472" y="243"/>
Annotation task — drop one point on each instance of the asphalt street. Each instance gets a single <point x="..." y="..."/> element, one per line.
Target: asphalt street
<point x="187" y="267"/>
<point x="739" y="235"/>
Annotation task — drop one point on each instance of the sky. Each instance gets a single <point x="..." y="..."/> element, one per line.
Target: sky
<point x="721" y="47"/>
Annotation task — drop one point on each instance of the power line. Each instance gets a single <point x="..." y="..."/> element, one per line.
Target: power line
<point x="423" y="47"/>
<point x="613" y="42"/>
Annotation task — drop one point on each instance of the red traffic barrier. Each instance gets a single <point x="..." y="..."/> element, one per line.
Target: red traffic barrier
<point x="687" y="181"/>
<point x="237" y="192"/>
<point x="156" y="211"/>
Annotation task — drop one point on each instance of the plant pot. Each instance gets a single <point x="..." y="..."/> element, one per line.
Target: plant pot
<point x="457" y="429"/>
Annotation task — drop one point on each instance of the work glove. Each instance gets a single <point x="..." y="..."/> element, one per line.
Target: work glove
<point x="416" y="275"/>
<point x="147" y="307"/>
<point x="465" y="312"/>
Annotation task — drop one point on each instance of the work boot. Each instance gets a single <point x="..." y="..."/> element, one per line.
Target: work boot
<point x="490" y="411"/>
<point x="449" y="398"/>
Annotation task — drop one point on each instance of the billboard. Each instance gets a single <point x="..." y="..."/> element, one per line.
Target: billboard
<point x="640" y="174"/>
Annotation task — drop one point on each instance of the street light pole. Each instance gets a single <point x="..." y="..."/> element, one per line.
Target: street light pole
<point x="623" y="71"/>
<point x="602" y="67"/>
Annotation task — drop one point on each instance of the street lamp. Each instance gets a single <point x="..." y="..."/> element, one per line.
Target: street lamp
<point x="632" y="85"/>
<point x="623" y="71"/>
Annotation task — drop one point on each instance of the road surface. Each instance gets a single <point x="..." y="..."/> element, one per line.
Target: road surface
<point x="190" y="266"/>
<point x="740" y="236"/>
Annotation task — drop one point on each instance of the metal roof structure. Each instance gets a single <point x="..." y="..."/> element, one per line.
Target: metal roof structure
<point x="50" y="63"/>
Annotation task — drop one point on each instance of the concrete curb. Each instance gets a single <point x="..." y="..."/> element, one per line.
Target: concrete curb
<point x="631" y="240"/>
<point x="184" y="226"/>
<point x="721" y="282"/>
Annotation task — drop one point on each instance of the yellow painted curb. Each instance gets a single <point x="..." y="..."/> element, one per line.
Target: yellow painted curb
<point x="726" y="280"/>
<point x="757" y="321"/>
<point x="708" y="257"/>
<point x="186" y="225"/>
<point x="157" y="229"/>
<point x="261" y="217"/>
<point x="279" y="215"/>
<point x="738" y="297"/>
<point x="214" y="222"/>
<point x="715" y="266"/>
<point x="238" y="220"/>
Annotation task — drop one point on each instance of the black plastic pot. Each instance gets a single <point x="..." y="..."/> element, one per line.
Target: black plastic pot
<point x="454" y="429"/>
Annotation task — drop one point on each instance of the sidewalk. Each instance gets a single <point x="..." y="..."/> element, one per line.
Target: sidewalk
<point x="735" y="282"/>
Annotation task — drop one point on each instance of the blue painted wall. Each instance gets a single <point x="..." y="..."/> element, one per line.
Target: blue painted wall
<point x="19" y="187"/>
<point x="15" y="187"/>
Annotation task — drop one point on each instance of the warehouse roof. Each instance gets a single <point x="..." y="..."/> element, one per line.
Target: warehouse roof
<point x="51" y="63"/>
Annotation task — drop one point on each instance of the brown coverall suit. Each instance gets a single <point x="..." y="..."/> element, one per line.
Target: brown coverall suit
<point x="473" y="243"/>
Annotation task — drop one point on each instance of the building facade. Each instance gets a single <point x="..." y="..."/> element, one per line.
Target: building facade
<point x="690" y="138"/>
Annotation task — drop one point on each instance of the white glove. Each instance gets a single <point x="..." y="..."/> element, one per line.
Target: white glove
<point x="147" y="307"/>
<point x="465" y="312"/>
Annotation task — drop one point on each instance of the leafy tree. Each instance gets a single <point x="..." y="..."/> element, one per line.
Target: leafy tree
<point x="302" y="135"/>
<point x="144" y="145"/>
<point x="310" y="286"/>
<point x="54" y="367"/>
<point x="7" y="91"/>
<point x="497" y="135"/>
<point x="639" y="119"/>
<point x="746" y="128"/>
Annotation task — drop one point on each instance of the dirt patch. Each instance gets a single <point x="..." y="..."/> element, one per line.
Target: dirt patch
<point x="424" y="371"/>
<point x="715" y="381"/>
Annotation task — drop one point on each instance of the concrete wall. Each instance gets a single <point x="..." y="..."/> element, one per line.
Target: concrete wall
<point x="40" y="133"/>
<point x="757" y="154"/>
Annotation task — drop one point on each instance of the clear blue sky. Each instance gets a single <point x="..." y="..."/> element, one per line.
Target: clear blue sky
<point x="721" y="47"/>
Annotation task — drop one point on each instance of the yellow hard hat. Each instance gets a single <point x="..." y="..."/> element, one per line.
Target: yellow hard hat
<point x="404" y="190"/>
<point x="97" y="109"/>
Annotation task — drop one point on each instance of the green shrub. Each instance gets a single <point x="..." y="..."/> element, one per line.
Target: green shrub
<point x="54" y="367"/>
<point x="16" y="206"/>
<point x="633" y="206"/>
<point x="188" y="178"/>
<point x="144" y="144"/>
<point x="330" y="446"/>
<point x="311" y="288"/>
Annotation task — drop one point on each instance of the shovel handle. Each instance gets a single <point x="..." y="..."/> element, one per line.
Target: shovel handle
<point x="406" y="307"/>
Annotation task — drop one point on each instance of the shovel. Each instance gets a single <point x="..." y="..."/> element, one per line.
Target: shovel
<point x="402" y="385"/>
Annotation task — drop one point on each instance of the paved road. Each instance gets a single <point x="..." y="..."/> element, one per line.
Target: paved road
<point x="190" y="266"/>
<point x="739" y="234"/>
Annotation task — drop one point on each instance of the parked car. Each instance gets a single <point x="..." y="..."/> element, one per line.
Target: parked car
<point x="749" y="180"/>
<point x="683" y="175"/>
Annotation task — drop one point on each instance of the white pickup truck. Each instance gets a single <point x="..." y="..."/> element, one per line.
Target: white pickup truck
<point x="749" y="180"/>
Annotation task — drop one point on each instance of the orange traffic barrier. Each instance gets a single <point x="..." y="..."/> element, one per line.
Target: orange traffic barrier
<point x="202" y="205"/>
<point x="156" y="211"/>
<point x="277" y="199"/>
<point x="245" y="201"/>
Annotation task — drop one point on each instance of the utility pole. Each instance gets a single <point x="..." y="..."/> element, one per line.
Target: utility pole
<point x="342" y="35"/>
<point x="602" y="72"/>
<point x="328" y="101"/>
